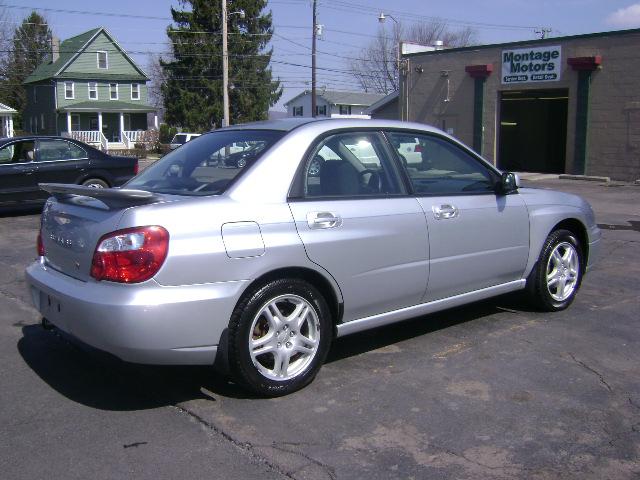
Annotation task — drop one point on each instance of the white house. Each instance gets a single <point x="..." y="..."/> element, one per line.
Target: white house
<point x="332" y="103"/>
<point x="6" y="120"/>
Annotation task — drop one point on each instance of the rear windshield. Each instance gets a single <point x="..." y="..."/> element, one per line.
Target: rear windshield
<point x="206" y="164"/>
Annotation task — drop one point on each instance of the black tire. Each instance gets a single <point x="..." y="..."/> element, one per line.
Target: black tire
<point x="248" y="323"/>
<point x="542" y="293"/>
<point x="95" y="183"/>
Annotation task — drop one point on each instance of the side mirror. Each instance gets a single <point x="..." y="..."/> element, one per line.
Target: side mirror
<point x="509" y="182"/>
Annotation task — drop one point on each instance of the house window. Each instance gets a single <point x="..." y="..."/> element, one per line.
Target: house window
<point x="68" y="91"/>
<point x="321" y="110"/>
<point x="297" y="111"/>
<point x="103" y="62"/>
<point x="113" y="91"/>
<point x="93" y="91"/>
<point x="135" y="91"/>
<point x="42" y="126"/>
<point x="345" y="109"/>
<point x="35" y="94"/>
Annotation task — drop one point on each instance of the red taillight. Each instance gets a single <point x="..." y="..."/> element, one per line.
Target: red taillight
<point x="136" y="167"/>
<point x="131" y="255"/>
<point x="41" y="251"/>
<point x="418" y="148"/>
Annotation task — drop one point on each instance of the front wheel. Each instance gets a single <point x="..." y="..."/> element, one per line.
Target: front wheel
<point x="556" y="278"/>
<point x="279" y="336"/>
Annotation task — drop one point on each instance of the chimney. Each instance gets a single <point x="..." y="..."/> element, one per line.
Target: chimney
<point x="439" y="45"/>
<point x="55" y="49"/>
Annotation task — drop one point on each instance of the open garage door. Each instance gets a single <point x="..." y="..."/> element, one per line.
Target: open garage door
<point x="533" y="130"/>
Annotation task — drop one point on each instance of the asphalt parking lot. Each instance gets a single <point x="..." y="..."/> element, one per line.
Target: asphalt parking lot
<point x="491" y="390"/>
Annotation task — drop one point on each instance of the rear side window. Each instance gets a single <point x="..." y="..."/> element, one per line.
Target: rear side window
<point x="51" y="150"/>
<point x="436" y="166"/>
<point x="350" y="165"/>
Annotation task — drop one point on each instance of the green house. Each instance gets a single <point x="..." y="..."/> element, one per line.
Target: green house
<point x="89" y="89"/>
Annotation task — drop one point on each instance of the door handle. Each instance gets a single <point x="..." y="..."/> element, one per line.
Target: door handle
<point x="318" y="220"/>
<point x="444" y="212"/>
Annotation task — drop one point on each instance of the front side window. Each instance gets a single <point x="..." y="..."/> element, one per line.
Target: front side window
<point x="103" y="60"/>
<point x="205" y="165"/>
<point x="350" y="165"/>
<point x="113" y="91"/>
<point x="69" y="90"/>
<point x="17" y="152"/>
<point x="298" y="111"/>
<point x="135" y="91"/>
<point x="93" y="90"/>
<point x="437" y="166"/>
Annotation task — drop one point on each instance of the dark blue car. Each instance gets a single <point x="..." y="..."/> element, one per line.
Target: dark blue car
<point x="29" y="160"/>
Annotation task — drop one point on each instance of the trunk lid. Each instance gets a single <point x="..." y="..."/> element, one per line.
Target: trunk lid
<point x="77" y="217"/>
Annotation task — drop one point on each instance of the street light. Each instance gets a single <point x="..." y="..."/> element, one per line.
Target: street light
<point x="225" y="62"/>
<point x="382" y="18"/>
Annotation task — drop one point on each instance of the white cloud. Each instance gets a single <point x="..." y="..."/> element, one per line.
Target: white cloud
<point x="628" y="17"/>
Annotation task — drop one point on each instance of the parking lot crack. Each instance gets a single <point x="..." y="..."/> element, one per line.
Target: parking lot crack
<point x="244" y="446"/>
<point x="15" y="298"/>
<point x="595" y="372"/>
<point x="328" y="469"/>
<point x="633" y="404"/>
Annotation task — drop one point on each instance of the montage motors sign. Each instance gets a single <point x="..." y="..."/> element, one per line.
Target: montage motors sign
<point x="531" y="65"/>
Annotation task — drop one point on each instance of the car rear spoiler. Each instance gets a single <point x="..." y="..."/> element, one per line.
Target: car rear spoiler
<point x="111" y="197"/>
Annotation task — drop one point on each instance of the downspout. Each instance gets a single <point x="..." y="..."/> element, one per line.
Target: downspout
<point x="479" y="73"/>
<point x="584" y="66"/>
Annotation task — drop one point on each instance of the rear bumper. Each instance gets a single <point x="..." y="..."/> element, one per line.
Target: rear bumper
<point x="143" y="323"/>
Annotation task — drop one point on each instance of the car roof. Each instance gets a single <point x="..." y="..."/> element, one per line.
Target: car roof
<point x="34" y="137"/>
<point x="288" y="124"/>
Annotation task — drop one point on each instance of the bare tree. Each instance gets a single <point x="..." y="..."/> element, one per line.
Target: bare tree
<point x="376" y="67"/>
<point x="6" y="34"/>
<point x="157" y="78"/>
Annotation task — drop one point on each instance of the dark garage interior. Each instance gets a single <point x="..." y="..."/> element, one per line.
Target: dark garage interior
<point x="533" y="130"/>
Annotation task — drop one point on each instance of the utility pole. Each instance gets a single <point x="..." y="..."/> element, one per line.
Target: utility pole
<point x="543" y="32"/>
<point x="313" y="62"/>
<point x="225" y="67"/>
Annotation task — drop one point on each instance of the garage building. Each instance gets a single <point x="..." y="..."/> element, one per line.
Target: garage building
<point x="556" y="105"/>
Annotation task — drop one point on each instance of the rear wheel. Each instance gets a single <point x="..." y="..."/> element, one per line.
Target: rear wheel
<point x="279" y="336"/>
<point x="556" y="278"/>
<point x="95" y="183"/>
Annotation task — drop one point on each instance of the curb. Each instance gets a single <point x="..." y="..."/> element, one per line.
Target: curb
<point x="588" y="178"/>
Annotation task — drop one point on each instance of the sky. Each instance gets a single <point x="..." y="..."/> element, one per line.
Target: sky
<point x="140" y="26"/>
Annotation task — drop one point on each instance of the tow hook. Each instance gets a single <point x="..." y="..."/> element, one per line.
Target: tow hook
<point x="46" y="324"/>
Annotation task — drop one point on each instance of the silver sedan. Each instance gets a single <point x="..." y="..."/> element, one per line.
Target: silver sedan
<point x="326" y="228"/>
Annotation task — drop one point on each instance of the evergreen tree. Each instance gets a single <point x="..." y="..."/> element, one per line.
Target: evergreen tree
<point x="30" y="46"/>
<point x="192" y="90"/>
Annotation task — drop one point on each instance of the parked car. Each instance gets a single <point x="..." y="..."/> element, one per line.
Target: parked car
<point x="29" y="160"/>
<point x="237" y="155"/>
<point x="260" y="268"/>
<point x="180" y="139"/>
